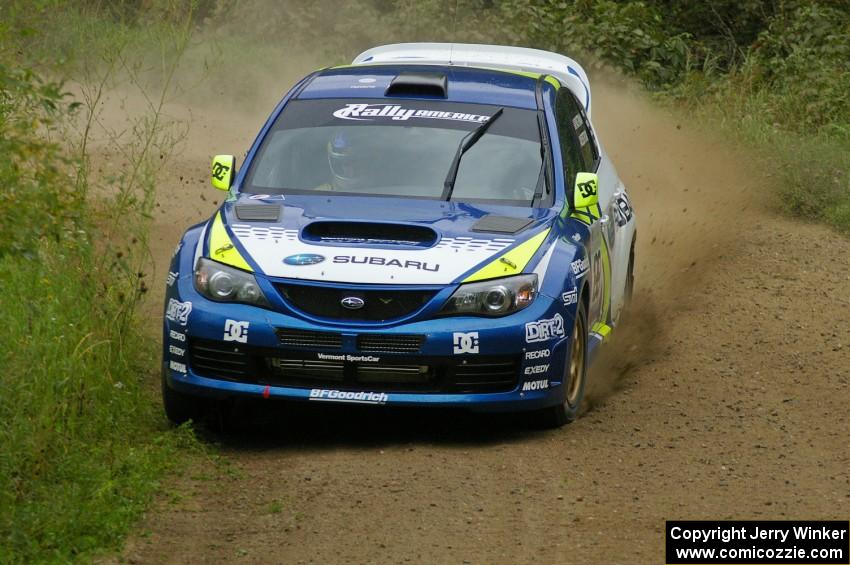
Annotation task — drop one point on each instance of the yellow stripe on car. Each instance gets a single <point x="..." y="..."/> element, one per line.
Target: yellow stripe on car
<point x="512" y="262"/>
<point x="222" y="248"/>
<point x="604" y="330"/>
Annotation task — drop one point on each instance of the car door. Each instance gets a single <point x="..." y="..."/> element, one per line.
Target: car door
<point x="581" y="154"/>
<point x="616" y="217"/>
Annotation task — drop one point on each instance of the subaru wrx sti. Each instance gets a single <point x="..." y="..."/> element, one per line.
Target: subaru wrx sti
<point x="433" y="225"/>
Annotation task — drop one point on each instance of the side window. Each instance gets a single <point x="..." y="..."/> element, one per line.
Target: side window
<point x="566" y="112"/>
<point x="588" y="143"/>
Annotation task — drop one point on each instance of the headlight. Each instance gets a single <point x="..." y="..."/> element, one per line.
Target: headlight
<point x="225" y="284"/>
<point x="497" y="297"/>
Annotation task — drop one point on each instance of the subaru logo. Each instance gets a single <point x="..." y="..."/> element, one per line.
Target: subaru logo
<point x="352" y="302"/>
<point x="304" y="259"/>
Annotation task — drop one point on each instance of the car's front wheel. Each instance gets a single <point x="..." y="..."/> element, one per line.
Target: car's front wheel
<point x="575" y="377"/>
<point x="179" y="407"/>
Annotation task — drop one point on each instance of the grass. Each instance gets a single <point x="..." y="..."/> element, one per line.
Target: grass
<point x="84" y="445"/>
<point x="809" y="170"/>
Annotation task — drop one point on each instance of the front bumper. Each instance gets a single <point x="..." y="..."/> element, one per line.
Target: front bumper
<point x="483" y="364"/>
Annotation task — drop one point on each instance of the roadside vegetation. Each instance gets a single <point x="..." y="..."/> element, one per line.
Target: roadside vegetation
<point x="83" y="443"/>
<point x="772" y="75"/>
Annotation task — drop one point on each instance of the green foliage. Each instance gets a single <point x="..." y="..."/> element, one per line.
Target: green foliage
<point x="39" y="197"/>
<point x="775" y="75"/>
<point x="803" y="60"/>
<point x="82" y="445"/>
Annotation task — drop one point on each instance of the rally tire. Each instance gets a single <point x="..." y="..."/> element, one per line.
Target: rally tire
<point x="575" y="377"/>
<point x="630" y="276"/>
<point x="179" y="407"/>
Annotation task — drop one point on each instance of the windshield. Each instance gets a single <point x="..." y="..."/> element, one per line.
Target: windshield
<point x="404" y="149"/>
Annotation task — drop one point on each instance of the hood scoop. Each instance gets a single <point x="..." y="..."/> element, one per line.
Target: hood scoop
<point x="369" y="233"/>
<point x="501" y="224"/>
<point x="258" y="212"/>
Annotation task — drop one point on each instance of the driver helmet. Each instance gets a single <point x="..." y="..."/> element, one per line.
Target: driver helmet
<point x="345" y="157"/>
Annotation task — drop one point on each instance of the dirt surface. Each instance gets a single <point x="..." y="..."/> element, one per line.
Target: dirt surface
<point x="723" y="396"/>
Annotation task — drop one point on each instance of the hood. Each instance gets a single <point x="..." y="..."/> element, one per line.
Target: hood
<point x="372" y="240"/>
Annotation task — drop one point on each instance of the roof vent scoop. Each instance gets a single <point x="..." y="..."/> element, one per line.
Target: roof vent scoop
<point x="418" y="84"/>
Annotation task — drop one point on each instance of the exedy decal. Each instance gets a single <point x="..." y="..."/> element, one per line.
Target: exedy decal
<point x="384" y="262"/>
<point x="364" y="112"/>
<point x="536" y="369"/>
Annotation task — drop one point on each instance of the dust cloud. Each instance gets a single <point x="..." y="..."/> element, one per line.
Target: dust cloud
<point x="693" y="195"/>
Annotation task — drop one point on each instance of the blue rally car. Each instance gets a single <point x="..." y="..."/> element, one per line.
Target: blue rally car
<point x="433" y="225"/>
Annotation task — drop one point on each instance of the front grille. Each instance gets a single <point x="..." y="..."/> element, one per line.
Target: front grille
<point x="381" y="343"/>
<point x="374" y="372"/>
<point x="484" y="375"/>
<point x="378" y="305"/>
<point x="219" y="360"/>
<point x="307" y="369"/>
<point x="309" y="339"/>
<point x="387" y="373"/>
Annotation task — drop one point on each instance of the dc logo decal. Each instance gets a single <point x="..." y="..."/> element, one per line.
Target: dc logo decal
<point x="236" y="331"/>
<point x="587" y="188"/>
<point x="219" y="170"/>
<point x="465" y="342"/>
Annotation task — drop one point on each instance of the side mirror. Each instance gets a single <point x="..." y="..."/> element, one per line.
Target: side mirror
<point x="586" y="190"/>
<point x="222" y="171"/>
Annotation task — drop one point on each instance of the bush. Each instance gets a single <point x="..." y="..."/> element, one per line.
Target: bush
<point x="39" y="197"/>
